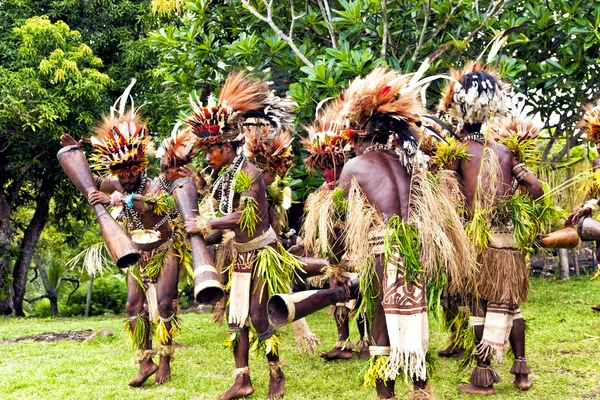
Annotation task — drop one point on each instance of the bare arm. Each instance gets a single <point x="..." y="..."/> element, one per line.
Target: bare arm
<point x="214" y="237"/>
<point x="528" y="180"/>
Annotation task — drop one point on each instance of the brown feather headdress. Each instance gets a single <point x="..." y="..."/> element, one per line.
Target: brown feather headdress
<point x="521" y="128"/>
<point x="121" y="141"/>
<point x="179" y="148"/>
<point x="241" y="97"/>
<point x="372" y="106"/>
<point x="326" y="146"/>
<point x="590" y="121"/>
<point x="269" y="149"/>
<point x="474" y="94"/>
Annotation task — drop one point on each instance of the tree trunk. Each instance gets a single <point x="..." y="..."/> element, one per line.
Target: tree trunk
<point x="88" y="298"/>
<point x="50" y="291"/>
<point x="6" y="235"/>
<point x="29" y="243"/>
<point x="563" y="256"/>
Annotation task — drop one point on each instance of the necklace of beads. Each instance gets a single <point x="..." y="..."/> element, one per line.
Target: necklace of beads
<point x="379" y="147"/>
<point x="133" y="217"/>
<point x="476" y="137"/>
<point x="165" y="186"/>
<point x="223" y="190"/>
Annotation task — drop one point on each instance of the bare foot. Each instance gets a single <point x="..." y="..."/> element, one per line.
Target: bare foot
<point x="476" y="389"/>
<point x="596" y="308"/>
<point x="363" y="355"/>
<point x="276" y="386"/>
<point x="179" y="345"/>
<point x="448" y="351"/>
<point x="164" y="371"/>
<point x="522" y="382"/>
<point x="337" y="354"/>
<point x="147" y="369"/>
<point x="242" y="387"/>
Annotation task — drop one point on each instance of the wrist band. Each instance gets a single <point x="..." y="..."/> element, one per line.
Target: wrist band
<point x="128" y="201"/>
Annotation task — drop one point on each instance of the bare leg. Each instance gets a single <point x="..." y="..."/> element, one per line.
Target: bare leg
<point x="479" y="385"/>
<point x="260" y="321"/>
<point x="517" y="342"/>
<point x="340" y="351"/>
<point x="242" y="385"/>
<point x="166" y="290"/>
<point x="134" y="307"/>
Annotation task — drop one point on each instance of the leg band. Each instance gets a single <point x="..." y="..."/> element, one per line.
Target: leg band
<point x="241" y="371"/>
<point x="484" y="377"/>
<point x="266" y="334"/>
<point x="520" y="366"/>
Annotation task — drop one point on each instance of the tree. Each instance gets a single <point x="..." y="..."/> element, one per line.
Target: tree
<point x="50" y="85"/>
<point x="116" y="33"/>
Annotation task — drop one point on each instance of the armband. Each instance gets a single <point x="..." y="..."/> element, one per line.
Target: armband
<point x="519" y="165"/>
<point x="98" y="182"/>
<point x="522" y="175"/>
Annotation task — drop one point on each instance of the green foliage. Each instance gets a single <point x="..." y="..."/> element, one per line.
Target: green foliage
<point x="109" y="295"/>
<point x="447" y="153"/>
<point x="249" y="217"/>
<point x="402" y="240"/>
<point x="525" y="151"/>
<point x="242" y="181"/>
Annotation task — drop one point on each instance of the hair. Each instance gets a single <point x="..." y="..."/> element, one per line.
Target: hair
<point x="472" y="128"/>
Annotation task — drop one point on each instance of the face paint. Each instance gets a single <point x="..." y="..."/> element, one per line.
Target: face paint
<point x="215" y="157"/>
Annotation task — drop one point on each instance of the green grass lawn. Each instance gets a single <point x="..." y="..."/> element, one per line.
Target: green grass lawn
<point x="563" y="352"/>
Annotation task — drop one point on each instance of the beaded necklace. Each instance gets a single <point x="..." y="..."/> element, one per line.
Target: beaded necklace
<point x="165" y="186"/>
<point x="223" y="190"/>
<point x="476" y="137"/>
<point x="134" y="218"/>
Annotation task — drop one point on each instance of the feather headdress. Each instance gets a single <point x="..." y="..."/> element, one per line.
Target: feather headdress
<point x="325" y="144"/>
<point x="179" y="148"/>
<point x="521" y="128"/>
<point x="383" y="104"/>
<point x="269" y="149"/>
<point x="121" y="140"/>
<point x="476" y="93"/>
<point x="590" y="121"/>
<point x="241" y="97"/>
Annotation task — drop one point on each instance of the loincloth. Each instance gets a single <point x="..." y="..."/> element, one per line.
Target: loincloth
<point x="266" y="261"/>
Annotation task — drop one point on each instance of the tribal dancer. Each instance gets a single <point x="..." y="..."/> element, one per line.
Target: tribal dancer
<point x="120" y="145"/>
<point x="262" y="267"/>
<point x="454" y="298"/>
<point x="489" y="177"/>
<point x="327" y="150"/>
<point x="270" y="150"/>
<point x="590" y="122"/>
<point x="392" y="224"/>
